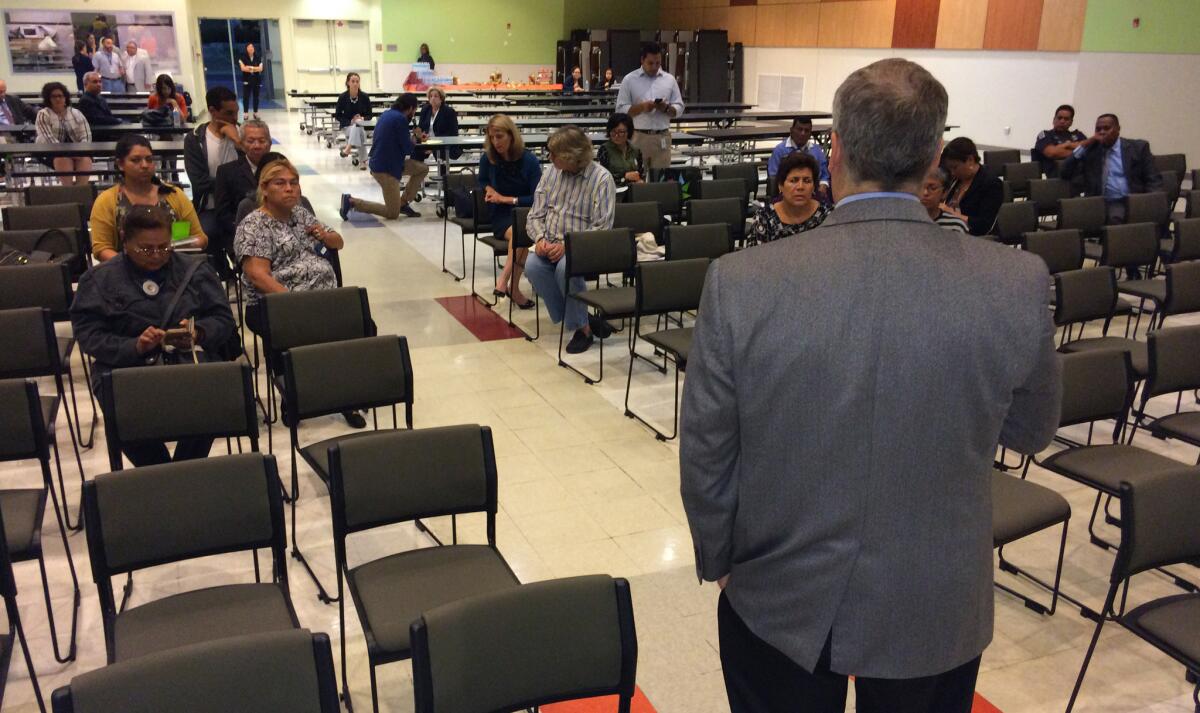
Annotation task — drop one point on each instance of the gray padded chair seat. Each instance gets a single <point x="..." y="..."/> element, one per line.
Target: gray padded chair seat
<point x="1174" y="621"/>
<point x="1138" y="353"/>
<point x="612" y="301"/>
<point x="1021" y="507"/>
<point x="317" y="454"/>
<point x="1185" y="426"/>
<point x="393" y="591"/>
<point x="201" y="615"/>
<point x="497" y="242"/>
<point x="1151" y="289"/>
<point x="1107" y="466"/>
<point x="1092" y="250"/>
<point x="675" y="341"/>
<point x="22" y="511"/>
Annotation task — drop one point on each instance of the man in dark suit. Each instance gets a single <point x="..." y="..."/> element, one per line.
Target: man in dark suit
<point x="235" y="181"/>
<point x="93" y="106"/>
<point x="845" y="396"/>
<point x="13" y="111"/>
<point x="1113" y="167"/>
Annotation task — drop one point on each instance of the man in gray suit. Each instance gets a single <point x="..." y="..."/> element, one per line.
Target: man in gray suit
<point x="845" y="395"/>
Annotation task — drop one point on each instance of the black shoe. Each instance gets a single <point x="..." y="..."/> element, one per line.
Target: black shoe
<point x="406" y="209"/>
<point x="527" y="304"/>
<point x="579" y="343"/>
<point x="599" y="327"/>
<point x="355" y="419"/>
<point x="346" y="207"/>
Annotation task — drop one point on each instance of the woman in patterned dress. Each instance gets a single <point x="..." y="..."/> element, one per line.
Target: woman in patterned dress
<point x="797" y="209"/>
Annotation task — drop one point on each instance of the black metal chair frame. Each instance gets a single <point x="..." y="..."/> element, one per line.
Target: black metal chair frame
<point x="562" y="326"/>
<point x="16" y="630"/>
<point x="446" y="223"/>
<point x="1006" y="565"/>
<point x="520" y="239"/>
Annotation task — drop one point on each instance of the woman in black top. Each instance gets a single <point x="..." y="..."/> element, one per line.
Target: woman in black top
<point x="81" y="62"/>
<point x="609" y="79"/>
<point x="252" y="66"/>
<point x="976" y="194"/>
<point x="353" y="108"/>
<point x="424" y="56"/>
<point x="437" y="118"/>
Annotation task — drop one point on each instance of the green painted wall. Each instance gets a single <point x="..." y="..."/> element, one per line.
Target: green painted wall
<point x="1166" y="27"/>
<point x="474" y="31"/>
<point x="609" y="15"/>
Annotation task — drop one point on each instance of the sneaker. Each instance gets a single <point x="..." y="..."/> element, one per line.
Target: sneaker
<point x="406" y="209"/>
<point x="355" y="419"/>
<point x="599" y="327"/>
<point x="579" y="343"/>
<point x="346" y="207"/>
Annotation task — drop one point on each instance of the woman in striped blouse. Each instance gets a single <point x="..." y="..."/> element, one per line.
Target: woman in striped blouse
<point x="60" y="123"/>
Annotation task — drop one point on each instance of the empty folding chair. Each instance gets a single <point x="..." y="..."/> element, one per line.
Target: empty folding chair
<point x="373" y="372"/>
<point x="1154" y="208"/>
<point x="684" y="242"/>
<point x="521" y="648"/>
<point x="1174" y="369"/>
<point x="730" y="211"/>
<point x="479" y="226"/>
<point x="1178" y="294"/>
<point x="277" y="671"/>
<point x="723" y="188"/>
<point x="458" y="188"/>
<point x="1175" y="162"/>
<point x="1061" y="249"/>
<point x="665" y="193"/>
<point x="1018" y="175"/>
<point x="999" y="158"/>
<point x="1021" y="508"/>
<point x="23" y="436"/>
<point x="1045" y="193"/>
<point x="65" y="216"/>
<point x="1014" y="220"/>
<point x="399" y="476"/>
<point x="664" y="287"/>
<point x="1132" y="247"/>
<point x="1158" y="528"/>
<point x="599" y="252"/>
<point x="748" y="172"/>
<point x="1191" y="201"/>
<point x="83" y="196"/>
<point x="161" y="514"/>
<point x="642" y="216"/>
<point x="16" y="630"/>
<point x="1087" y="215"/>
<point x="1184" y="245"/>
<point x="1083" y="296"/>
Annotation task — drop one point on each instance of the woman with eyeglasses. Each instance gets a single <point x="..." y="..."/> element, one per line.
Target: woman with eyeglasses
<point x="60" y="123"/>
<point x="622" y="159"/>
<point x="139" y="186"/>
<point x="118" y="315"/>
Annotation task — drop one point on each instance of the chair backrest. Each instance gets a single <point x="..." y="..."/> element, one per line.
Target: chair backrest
<point x="1187" y="240"/>
<point x="1129" y="245"/>
<point x="665" y="193"/>
<point x="998" y="159"/>
<point x="1173" y="365"/>
<point x="1192" y="200"/>
<point x="1172" y="183"/>
<point x="690" y="241"/>
<point x="157" y="403"/>
<point x="1176" y="162"/>
<point x="303" y="317"/>
<point x="1158" y="523"/>
<point x="1045" y="193"/>
<point x="723" y="188"/>
<point x="729" y="211"/>
<point x="1183" y="287"/>
<point x="748" y="172"/>
<point x="1097" y="385"/>
<point x="642" y="216"/>
<point x="83" y="196"/>
<point x="159" y="514"/>
<point x="1061" y="249"/>
<point x="461" y="182"/>
<point x="531" y="645"/>
<point x="670" y="286"/>
<point x="30" y="217"/>
<point x="22" y="426"/>
<point x="1088" y="215"/>
<point x="599" y="252"/>
<point x="1148" y="208"/>
<point x="1084" y="295"/>
<point x="277" y="671"/>
<point x="361" y="373"/>
<point x="47" y="285"/>
<point x="1019" y="174"/>
<point x="30" y="346"/>
<point x="772" y="186"/>
<point x="520" y="231"/>
<point x="1014" y="220"/>
<point x="396" y="476"/>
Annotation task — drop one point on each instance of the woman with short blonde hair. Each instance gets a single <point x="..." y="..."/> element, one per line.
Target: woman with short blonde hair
<point x="508" y="176"/>
<point x="271" y="171"/>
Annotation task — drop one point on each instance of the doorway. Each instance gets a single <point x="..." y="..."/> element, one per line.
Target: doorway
<point x="223" y="40"/>
<point x="327" y="50"/>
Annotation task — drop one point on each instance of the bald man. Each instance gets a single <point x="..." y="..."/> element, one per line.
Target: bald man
<point x="13" y="111"/>
<point x="93" y="106"/>
<point x="139" y="73"/>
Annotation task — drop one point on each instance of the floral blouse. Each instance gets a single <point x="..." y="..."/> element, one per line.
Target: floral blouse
<point x="295" y="263"/>
<point x="767" y="226"/>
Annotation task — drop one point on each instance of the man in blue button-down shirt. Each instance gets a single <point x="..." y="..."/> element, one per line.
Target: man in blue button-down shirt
<point x="1113" y="167"/>
<point x="111" y="66"/>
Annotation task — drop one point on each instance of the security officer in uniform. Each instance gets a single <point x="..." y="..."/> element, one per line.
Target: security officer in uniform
<point x="1056" y="144"/>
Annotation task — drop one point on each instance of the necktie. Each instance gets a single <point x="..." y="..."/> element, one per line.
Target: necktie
<point x="5" y="115"/>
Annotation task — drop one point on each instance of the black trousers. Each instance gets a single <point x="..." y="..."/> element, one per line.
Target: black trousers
<point x="250" y="87"/>
<point x="761" y="679"/>
<point x="142" y="453"/>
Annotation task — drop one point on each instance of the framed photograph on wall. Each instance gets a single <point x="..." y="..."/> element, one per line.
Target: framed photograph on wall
<point x="44" y="40"/>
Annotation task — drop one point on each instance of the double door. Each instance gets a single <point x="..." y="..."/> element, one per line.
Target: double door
<point x="327" y="50"/>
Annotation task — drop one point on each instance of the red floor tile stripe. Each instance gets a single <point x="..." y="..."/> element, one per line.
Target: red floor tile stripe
<point x="480" y="321"/>
<point x="641" y="704"/>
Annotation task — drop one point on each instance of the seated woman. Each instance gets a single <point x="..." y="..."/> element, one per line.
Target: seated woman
<point x="933" y="195"/>
<point x="797" y="209"/>
<point x="166" y="95"/>
<point x="436" y="118"/>
<point x="975" y="194"/>
<point x="508" y="174"/>
<point x="353" y="108"/>
<point x="280" y="246"/>
<point x="622" y="159"/>
<point x="59" y="123"/>
<point x="610" y="82"/>
<point x="117" y="314"/>
<point x="138" y="186"/>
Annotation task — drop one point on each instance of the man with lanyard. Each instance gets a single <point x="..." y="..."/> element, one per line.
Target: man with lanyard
<point x="801" y="137"/>
<point x="111" y="67"/>
<point x="1056" y="144"/>
<point x="652" y="98"/>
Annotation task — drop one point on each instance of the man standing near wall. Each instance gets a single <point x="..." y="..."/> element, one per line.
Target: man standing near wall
<point x="111" y="67"/>
<point x="139" y="74"/>
<point x="651" y="96"/>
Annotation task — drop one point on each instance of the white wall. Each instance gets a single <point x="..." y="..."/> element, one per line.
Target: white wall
<point x="1006" y="98"/>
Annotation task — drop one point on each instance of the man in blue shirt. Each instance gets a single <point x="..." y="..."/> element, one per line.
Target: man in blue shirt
<point x="1113" y="167"/>
<point x="391" y="160"/>
<point x="111" y="67"/>
<point x="801" y="138"/>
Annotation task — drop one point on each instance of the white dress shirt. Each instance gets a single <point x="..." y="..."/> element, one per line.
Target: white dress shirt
<point x="638" y="87"/>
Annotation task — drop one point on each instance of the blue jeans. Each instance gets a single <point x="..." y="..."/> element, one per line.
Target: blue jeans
<point x="116" y="86"/>
<point x="549" y="280"/>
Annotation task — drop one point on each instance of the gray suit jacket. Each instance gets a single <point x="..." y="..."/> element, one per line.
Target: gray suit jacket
<point x="845" y="393"/>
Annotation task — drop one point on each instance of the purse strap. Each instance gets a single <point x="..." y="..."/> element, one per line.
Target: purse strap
<point x="187" y="277"/>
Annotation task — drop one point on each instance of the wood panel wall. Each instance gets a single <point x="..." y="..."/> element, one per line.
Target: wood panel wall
<point x="916" y="24"/>
<point x="1062" y="25"/>
<point x="1012" y="25"/>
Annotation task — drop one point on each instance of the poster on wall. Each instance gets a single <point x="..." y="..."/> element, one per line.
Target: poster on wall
<point x="44" y="40"/>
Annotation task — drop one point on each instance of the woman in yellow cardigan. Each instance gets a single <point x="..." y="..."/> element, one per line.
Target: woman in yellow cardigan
<point x="138" y="186"/>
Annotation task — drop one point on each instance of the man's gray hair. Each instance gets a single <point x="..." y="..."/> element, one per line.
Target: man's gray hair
<point x="570" y="143"/>
<point x="255" y="124"/>
<point x="889" y="117"/>
<point x="88" y="75"/>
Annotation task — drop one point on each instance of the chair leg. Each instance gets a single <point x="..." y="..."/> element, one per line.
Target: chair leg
<point x="342" y="631"/>
<point x="1055" y="592"/>
<point x="445" y="229"/>
<point x="562" y="327"/>
<point x="14" y="625"/>
<point x="62" y="530"/>
<point x="62" y="486"/>
<point x="1087" y="658"/>
<point x="322" y="594"/>
<point x="374" y="689"/>
<point x="86" y="380"/>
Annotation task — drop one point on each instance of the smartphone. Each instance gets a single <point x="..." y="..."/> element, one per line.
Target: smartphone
<point x="180" y="338"/>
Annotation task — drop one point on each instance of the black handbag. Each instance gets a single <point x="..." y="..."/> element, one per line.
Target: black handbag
<point x="157" y="117"/>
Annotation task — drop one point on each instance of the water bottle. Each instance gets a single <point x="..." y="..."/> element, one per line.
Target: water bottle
<point x="176" y="118"/>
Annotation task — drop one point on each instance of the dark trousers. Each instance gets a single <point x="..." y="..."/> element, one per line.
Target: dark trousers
<point x="761" y="679"/>
<point x="1115" y="214"/>
<point x="250" y="88"/>
<point x="143" y="453"/>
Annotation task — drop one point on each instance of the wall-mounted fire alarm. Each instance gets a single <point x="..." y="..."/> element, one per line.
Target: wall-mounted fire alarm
<point x="1137" y="22"/>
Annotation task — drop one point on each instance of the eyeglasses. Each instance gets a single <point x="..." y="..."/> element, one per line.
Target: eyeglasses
<point x="153" y="250"/>
<point x="619" y="132"/>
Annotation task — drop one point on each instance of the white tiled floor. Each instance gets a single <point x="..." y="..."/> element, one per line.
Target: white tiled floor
<point x="582" y="490"/>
